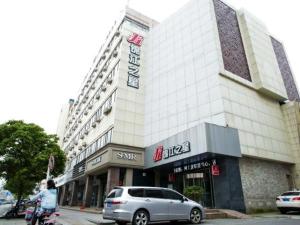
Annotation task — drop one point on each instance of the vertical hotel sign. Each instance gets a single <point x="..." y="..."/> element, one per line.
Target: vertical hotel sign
<point x="135" y="42"/>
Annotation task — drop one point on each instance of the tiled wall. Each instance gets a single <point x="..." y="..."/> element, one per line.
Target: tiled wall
<point x="129" y="112"/>
<point x="261" y="58"/>
<point x="285" y="70"/>
<point x="291" y="112"/>
<point x="183" y="60"/>
<point x="259" y="119"/>
<point x="231" y="41"/>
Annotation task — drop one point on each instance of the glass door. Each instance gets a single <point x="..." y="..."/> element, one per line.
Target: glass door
<point x="203" y="179"/>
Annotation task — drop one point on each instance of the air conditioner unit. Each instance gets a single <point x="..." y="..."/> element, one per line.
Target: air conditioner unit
<point x="103" y="57"/>
<point x="86" y="132"/>
<point x="109" y="80"/>
<point x="98" y="119"/>
<point x="107" y="109"/>
<point x="86" y="97"/>
<point x="94" y="124"/>
<point x="90" y="106"/>
<point x="96" y="70"/>
<point x="79" y="121"/>
<point x="86" y="85"/>
<point x="89" y="81"/>
<point x="86" y="112"/>
<point x="84" y="144"/>
<point x="93" y="87"/>
<point x="82" y="136"/>
<point x="104" y="69"/>
<point x="103" y="88"/>
<point x="97" y="96"/>
<point x="107" y="50"/>
<point x="117" y="34"/>
<point x="100" y="75"/>
<point x="115" y="53"/>
<point x="75" y="142"/>
<point x="83" y="100"/>
<point x="77" y="112"/>
<point x="80" y="148"/>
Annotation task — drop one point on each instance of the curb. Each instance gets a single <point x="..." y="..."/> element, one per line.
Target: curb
<point x="101" y="222"/>
<point x="81" y="210"/>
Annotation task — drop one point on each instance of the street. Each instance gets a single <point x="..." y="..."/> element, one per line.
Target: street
<point x="69" y="217"/>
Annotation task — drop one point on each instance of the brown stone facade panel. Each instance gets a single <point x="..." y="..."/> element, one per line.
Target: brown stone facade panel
<point x="263" y="181"/>
<point x="285" y="70"/>
<point x="113" y="178"/>
<point x="232" y="47"/>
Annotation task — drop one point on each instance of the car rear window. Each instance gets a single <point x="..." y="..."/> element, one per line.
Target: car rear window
<point x="136" y="192"/>
<point x="291" y="193"/>
<point x="115" y="193"/>
<point x="153" y="193"/>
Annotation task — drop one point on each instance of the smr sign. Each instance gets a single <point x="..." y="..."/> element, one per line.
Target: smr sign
<point x="126" y="156"/>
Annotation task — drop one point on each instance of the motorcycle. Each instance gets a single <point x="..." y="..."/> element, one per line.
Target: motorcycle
<point x="34" y="214"/>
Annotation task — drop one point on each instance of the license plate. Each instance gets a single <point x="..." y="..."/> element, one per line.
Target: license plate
<point x="286" y="199"/>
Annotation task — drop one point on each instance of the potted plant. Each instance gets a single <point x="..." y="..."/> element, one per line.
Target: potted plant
<point x="194" y="192"/>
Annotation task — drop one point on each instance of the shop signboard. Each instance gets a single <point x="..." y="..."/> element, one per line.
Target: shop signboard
<point x="215" y="170"/>
<point x="202" y="139"/>
<point x="195" y="166"/>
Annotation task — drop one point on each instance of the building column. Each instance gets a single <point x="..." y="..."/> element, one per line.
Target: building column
<point x="113" y="177"/>
<point x="87" y="195"/>
<point x="128" y="177"/>
<point x="157" y="179"/>
<point x="62" y="195"/>
<point x="100" y="194"/>
<point x="73" y="199"/>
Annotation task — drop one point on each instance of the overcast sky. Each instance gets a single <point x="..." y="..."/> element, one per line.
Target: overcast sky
<point x="47" y="47"/>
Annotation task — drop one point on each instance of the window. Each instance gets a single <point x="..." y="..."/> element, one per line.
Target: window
<point x="291" y="193"/>
<point x="136" y="192"/>
<point x="172" y="195"/>
<point x="153" y="193"/>
<point x="115" y="193"/>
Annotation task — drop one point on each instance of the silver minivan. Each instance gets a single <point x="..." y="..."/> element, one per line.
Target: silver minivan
<point x="141" y="205"/>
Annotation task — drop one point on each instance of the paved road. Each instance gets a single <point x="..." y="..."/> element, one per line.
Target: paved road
<point x="69" y="217"/>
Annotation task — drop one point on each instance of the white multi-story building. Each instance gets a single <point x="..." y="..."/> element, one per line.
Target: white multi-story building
<point x="205" y="98"/>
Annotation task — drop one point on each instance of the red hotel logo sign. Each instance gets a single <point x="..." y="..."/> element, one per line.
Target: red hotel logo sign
<point x="135" y="39"/>
<point x="158" y="153"/>
<point x="161" y="153"/>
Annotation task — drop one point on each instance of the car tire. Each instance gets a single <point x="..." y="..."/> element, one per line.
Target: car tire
<point x="121" y="222"/>
<point x="195" y="216"/>
<point x="141" y="217"/>
<point x="283" y="211"/>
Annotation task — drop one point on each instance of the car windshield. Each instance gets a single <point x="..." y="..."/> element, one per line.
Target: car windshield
<point x="115" y="193"/>
<point x="291" y="193"/>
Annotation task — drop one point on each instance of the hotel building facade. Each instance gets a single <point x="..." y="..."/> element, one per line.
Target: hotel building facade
<point x="206" y="97"/>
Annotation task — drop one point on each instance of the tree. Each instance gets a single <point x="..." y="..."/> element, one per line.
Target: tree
<point x="24" y="153"/>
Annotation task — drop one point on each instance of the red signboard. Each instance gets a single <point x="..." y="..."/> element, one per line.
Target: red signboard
<point x="215" y="170"/>
<point x="135" y="39"/>
<point x="158" y="153"/>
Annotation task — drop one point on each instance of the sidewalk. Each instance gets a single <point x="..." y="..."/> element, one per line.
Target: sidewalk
<point x="87" y="210"/>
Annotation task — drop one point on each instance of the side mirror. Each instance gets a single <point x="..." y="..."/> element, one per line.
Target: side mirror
<point x="184" y="199"/>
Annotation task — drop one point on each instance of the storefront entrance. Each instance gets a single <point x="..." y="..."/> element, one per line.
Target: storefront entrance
<point x="200" y="178"/>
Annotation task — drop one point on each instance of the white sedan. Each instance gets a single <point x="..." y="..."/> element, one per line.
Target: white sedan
<point x="288" y="201"/>
<point x="5" y="206"/>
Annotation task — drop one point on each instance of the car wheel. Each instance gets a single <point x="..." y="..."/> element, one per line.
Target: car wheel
<point x="283" y="211"/>
<point x="121" y="222"/>
<point x="195" y="216"/>
<point x="141" y="217"/>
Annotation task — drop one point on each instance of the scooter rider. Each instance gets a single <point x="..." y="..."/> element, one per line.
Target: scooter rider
<point x="48" y="200"/>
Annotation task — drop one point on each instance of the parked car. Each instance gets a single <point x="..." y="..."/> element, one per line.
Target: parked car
<point x="5" y="206"/>
<point x="288" y="201"/>
<point x="141" y="205"/>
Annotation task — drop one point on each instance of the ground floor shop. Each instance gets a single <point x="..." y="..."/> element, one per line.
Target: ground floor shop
<point x="94" y="177"/>
<point x="206" y="156"/>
